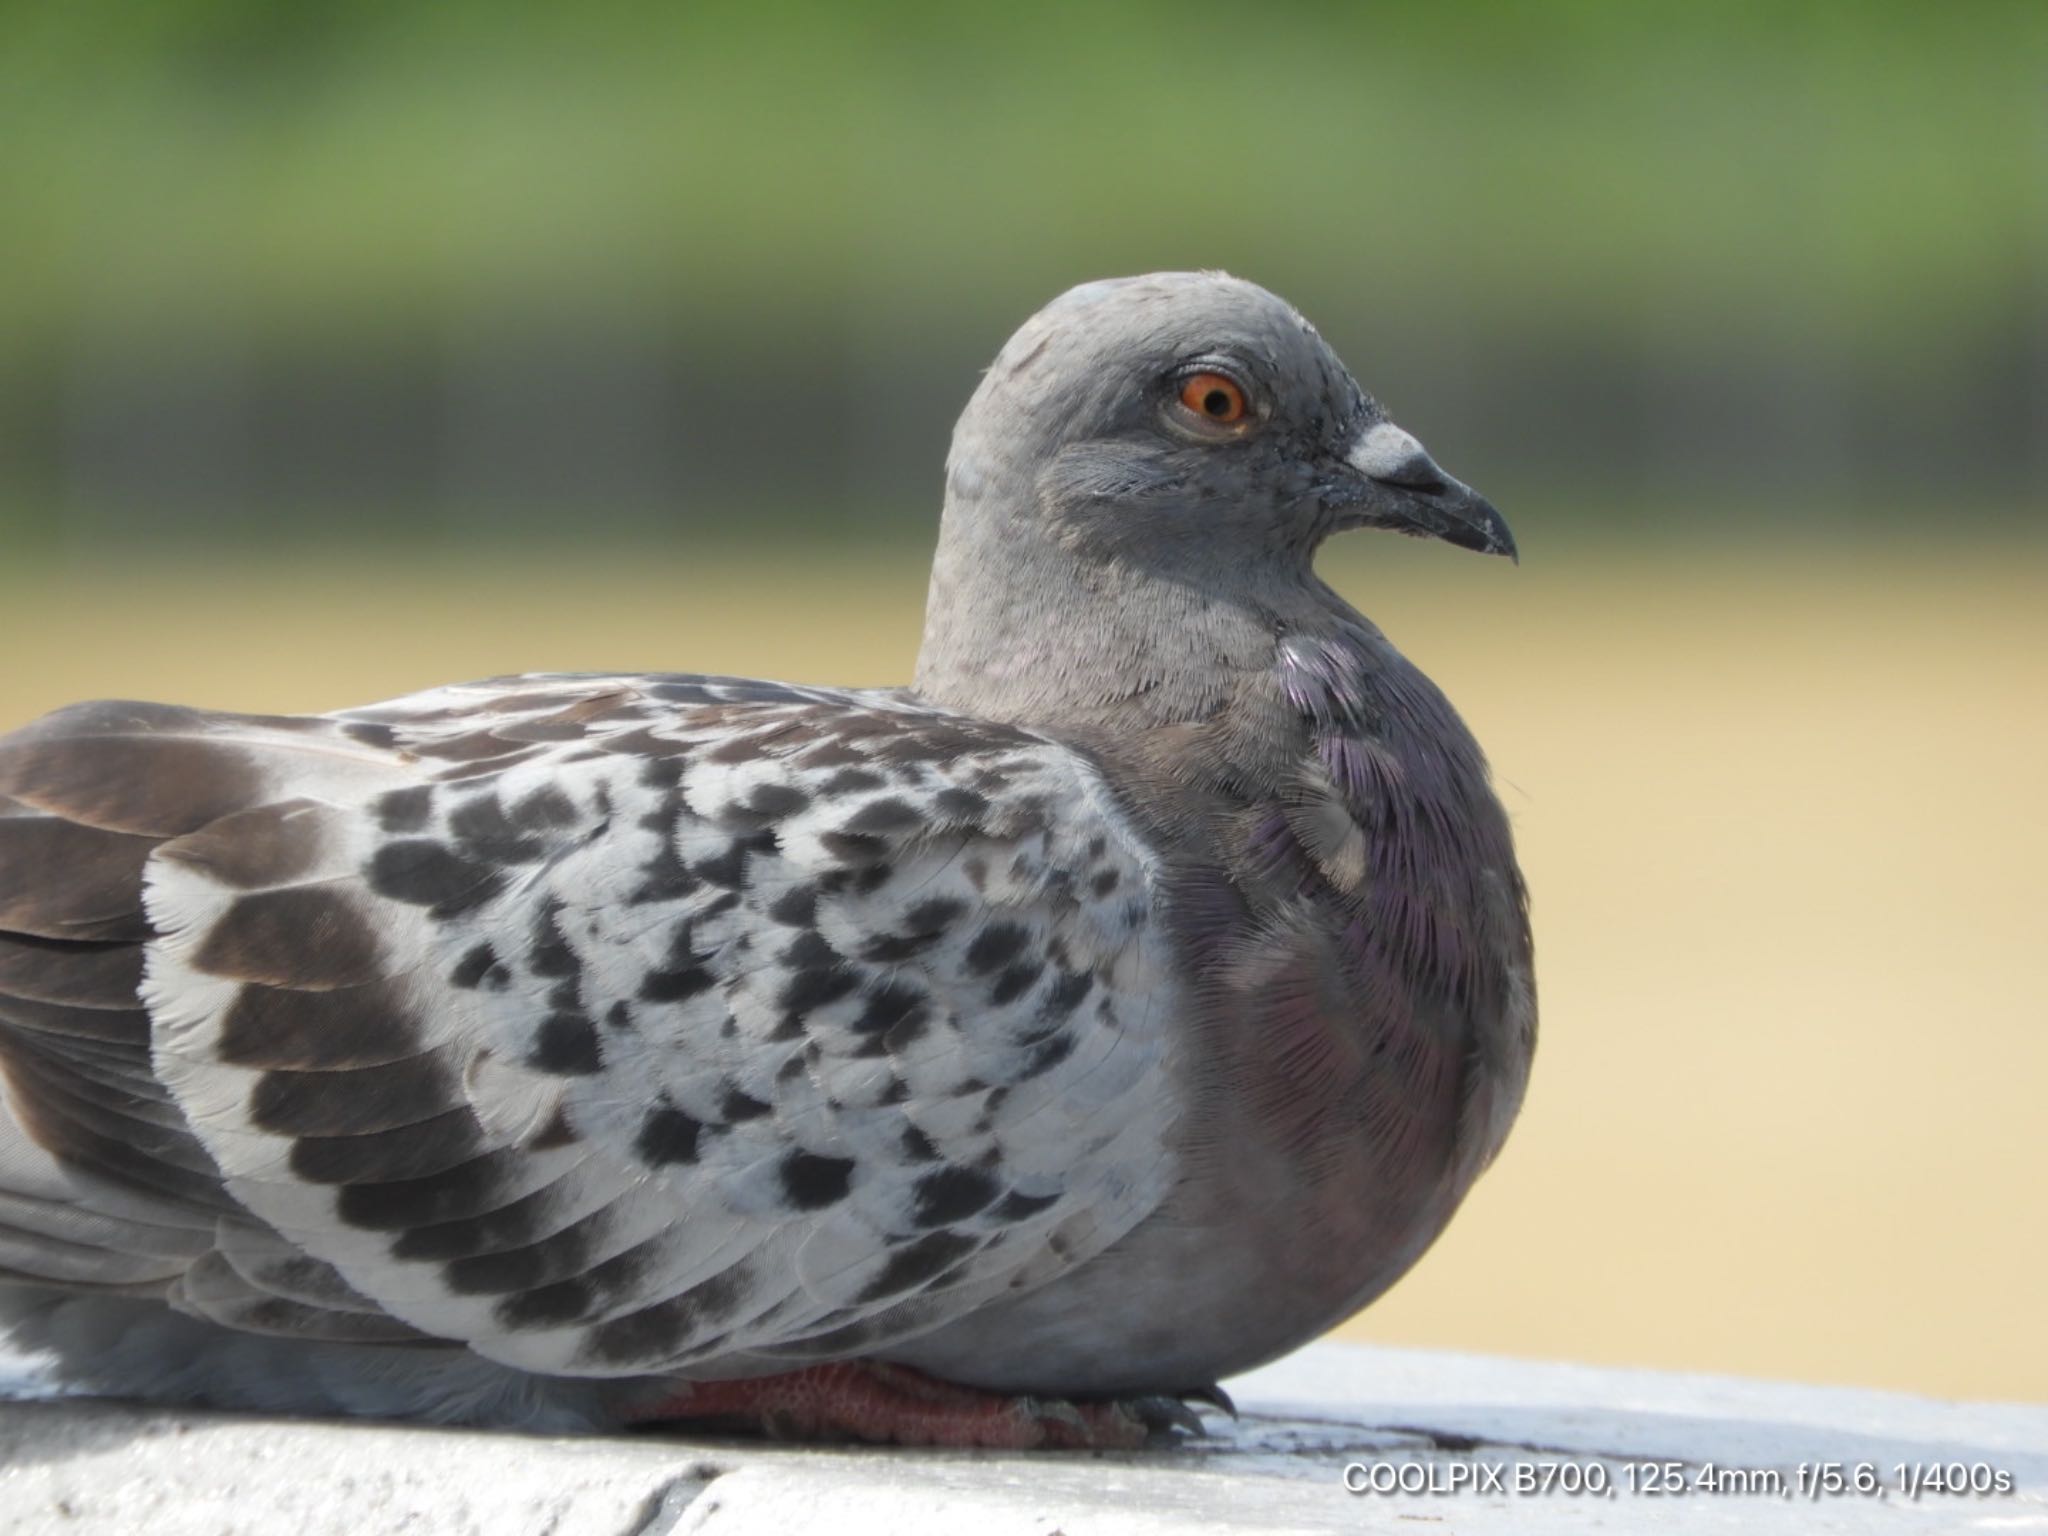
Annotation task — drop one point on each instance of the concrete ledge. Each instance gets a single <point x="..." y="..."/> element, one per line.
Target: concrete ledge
<point x="1399" y="1417"/>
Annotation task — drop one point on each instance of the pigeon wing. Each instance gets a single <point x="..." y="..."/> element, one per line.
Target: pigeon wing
<point x="615" y="1024"/>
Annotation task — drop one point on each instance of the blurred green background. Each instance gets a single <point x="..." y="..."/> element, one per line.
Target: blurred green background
<point x="350" y="348"/>
<point x="476" y="269"/>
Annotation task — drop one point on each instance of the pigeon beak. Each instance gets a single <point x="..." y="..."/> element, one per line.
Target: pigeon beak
<point x="1406" y="491"/>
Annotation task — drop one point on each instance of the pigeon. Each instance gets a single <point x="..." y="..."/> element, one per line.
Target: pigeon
<point x="997" y="1061"/>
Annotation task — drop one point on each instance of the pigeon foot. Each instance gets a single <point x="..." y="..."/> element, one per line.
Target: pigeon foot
<point x="886" y="1404"/>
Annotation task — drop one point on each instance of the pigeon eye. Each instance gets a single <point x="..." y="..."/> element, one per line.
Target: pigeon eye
<point x="1216" y="396"/>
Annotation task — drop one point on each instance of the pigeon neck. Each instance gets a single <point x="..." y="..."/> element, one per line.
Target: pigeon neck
<point x="1021" y="630"/>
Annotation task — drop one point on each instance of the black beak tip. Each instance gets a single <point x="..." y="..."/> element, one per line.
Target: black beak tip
<point x="1495" y="537"/>
<point x="1423" y="501"/>
<point x="1476" y="525"/>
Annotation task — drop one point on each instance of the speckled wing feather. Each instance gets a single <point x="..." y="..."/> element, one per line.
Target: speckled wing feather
<point x="605" y="1024"/>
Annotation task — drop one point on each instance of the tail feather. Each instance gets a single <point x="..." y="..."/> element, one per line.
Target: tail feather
<point x="56" y="1230"/>
<point x="215" y="1290"/>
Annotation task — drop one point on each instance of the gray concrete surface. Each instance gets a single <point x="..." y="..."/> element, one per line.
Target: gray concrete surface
<point x="1392" y="1416"/>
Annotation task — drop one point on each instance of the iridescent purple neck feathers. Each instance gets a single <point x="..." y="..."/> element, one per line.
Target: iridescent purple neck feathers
<point x="1436" y="901"/>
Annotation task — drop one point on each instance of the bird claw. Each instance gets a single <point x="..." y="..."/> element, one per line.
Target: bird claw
<point x="1163" y="1415"/>
<point x="1212" y="1394"/>
<point x="1119" y="1424"/>
<point x="1054" y="1411"/>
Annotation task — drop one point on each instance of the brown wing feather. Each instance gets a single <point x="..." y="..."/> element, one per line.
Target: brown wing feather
<point x="103" y="1186"/>
<point x="85" y="796"/>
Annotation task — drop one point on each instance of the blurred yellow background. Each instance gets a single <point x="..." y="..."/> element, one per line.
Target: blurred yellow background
<point x="346" y="350"/>
<point x="1781" y="812"/>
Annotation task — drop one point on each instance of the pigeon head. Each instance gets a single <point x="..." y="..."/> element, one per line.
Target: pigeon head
<point x="1134" y="500"/>
<point x="1192" y="416"/>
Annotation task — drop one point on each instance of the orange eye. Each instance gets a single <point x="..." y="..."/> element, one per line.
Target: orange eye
<point x="1214" y="395"/>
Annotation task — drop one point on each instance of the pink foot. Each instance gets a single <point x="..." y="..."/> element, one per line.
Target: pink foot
<point x="893" y="1404"/>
